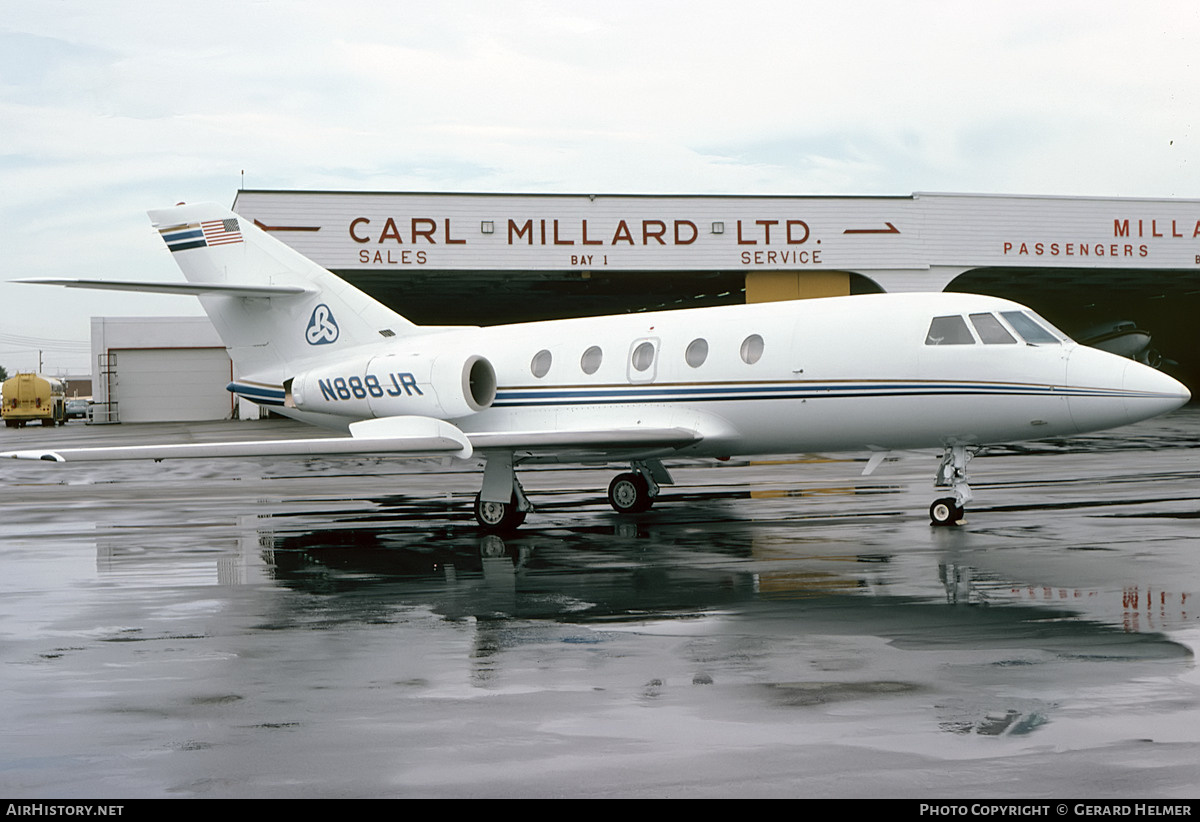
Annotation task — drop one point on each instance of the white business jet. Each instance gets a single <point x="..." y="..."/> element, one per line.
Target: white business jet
<point x="873" y="373"/>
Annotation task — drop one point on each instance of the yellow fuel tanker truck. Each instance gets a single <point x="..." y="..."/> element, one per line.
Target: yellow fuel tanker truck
<point x="33" y="397"/>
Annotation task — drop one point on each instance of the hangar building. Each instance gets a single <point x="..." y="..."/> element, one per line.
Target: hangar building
<point x="158" y="369"/>
<point x="1094" y="266"/>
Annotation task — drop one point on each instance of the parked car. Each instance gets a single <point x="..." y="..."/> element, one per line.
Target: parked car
<point x="77" y="409"/>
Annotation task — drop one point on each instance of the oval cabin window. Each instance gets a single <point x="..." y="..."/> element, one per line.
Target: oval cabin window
<point x="643" y="356"/>
<point x="541" y="363"/>
<point x="591" y="359"/>
<point x="752" y="349"/>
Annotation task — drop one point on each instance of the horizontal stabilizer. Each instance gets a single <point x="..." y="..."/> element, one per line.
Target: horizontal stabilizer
<point x="412" y="437"/>
<point x="194" y="289"/>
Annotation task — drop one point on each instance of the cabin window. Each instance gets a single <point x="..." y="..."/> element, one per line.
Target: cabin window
<point x="1028" y="328"/>
<point x="752" y="349"/>
<point x="991" y="331"/>
<point x="591" y="359"/>
<point x="949" y="331"/>
<point x="541" y="363"/>
<point x="643" y="356"/>
<point x="697" y="352"/>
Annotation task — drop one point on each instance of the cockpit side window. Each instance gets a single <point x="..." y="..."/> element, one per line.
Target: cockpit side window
<point x="1029" y="328"/>
<point x="991" y="331"/>
<point x="949" y="331"/>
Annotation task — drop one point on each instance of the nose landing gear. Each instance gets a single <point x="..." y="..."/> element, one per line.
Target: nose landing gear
<point x="945" y="511"/>
<point x="952" y="474"/>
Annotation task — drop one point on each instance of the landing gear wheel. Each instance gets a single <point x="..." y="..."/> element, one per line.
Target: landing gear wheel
<point x="629" y="494"/>
<point x="498" y="517"/>
<point x="945" y="511"/>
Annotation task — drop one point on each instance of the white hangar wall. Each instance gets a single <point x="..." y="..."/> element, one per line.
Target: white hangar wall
<point x="159" y="369"/>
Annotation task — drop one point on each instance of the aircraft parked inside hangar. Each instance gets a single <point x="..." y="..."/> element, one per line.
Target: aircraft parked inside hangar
<point x="875" y="373"/>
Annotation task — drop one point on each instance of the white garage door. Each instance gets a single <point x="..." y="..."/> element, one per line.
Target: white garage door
<point x="172" y="384"/>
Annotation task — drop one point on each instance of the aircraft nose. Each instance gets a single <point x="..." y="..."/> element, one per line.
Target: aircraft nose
<point x="1106" y="390"/>
<point x="1149" y="392"/>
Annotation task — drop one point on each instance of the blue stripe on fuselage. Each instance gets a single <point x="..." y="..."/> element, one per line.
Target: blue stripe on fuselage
<point x="651" y="393"/>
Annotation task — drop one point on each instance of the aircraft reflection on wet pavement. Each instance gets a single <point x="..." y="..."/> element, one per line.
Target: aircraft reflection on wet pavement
<point x="757" y="576"/>
<point x="635" y="569"/>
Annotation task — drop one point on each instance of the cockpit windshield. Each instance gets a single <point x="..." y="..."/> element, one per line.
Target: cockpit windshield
<point x="1033" y="330"/>
<point x="953" y="330"/>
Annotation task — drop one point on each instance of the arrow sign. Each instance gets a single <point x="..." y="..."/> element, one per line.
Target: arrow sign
<point x="891" y="229"/>
<point x="266" y="227"/>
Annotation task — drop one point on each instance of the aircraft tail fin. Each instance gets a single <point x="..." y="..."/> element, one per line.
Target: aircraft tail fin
<point x="289" y="310"/>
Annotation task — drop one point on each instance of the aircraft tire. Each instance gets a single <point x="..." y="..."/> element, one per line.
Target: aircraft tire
<point x="629" y="493"/>
<point x="945" y="511"/>
<point x="498" y="517"/>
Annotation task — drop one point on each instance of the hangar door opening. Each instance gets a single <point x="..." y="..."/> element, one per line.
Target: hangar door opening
<point x="171" y="384"/>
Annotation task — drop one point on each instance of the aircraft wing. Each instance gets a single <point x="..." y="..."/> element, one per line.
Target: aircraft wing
<point x="436" y="440"/>
<point x="412" y="437"/>
<point x="194" y="289"/>
<point x="408" y="436"/>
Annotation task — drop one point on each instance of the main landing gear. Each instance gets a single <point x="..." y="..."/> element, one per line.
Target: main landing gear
<point x="501" y="505"/>
<point x="635" y="491"/>
<point x="952" y="474"/>
<point x="499" y="517"/>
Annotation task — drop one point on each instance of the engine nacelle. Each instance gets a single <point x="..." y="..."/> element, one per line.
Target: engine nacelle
<point x="446" y="385"/>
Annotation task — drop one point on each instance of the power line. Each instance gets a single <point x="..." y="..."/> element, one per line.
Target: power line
<point x="16" y="342"/>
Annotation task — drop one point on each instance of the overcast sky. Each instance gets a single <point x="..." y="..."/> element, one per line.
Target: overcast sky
<point x="110" y="108"/>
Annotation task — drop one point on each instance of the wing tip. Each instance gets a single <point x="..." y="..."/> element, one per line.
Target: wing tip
<point x="45" y="456"/>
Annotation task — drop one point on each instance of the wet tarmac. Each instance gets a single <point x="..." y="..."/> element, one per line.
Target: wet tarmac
<point x="778" y="628"/>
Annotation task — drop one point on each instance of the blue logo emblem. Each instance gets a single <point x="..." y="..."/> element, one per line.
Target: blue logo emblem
<point x="322" y="328"/>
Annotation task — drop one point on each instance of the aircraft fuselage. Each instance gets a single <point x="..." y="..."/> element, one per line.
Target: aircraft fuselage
<point x="851" y="373"/>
